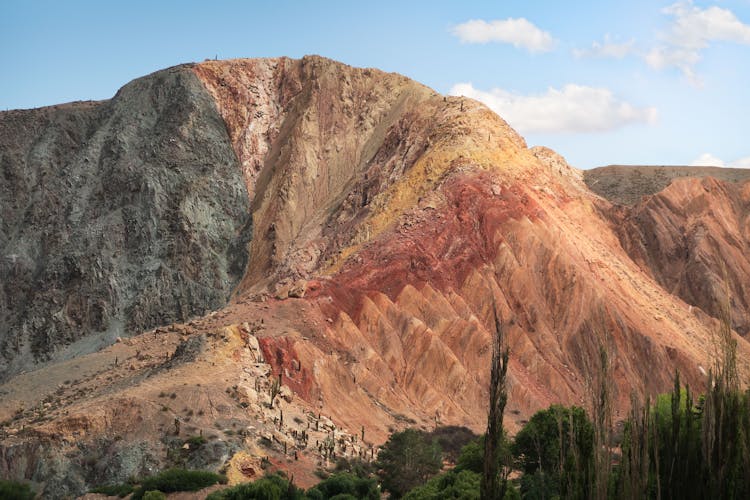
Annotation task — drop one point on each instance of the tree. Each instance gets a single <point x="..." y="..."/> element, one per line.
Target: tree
<point x="406" y="460"/>
<point x="492" y="485"/>
<point x="555" y="449"/>
<point x="344" y="484"/>
<point x="452" y="484"/>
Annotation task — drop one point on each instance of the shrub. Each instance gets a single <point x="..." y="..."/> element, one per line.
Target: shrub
<point x="462" y="485"/>
<point x="14" y="490"/>
<point x="195" y="441"/>
<point x="345" y="484"/>
<point x="178" y="480"/>
<point x="269" y="487"/>
<point x="114" y="490"/>
<point x="154" y="495"/>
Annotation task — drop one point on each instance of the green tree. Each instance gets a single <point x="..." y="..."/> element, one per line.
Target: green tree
<point x="462" y="484"/>
<point x="493" y="483"/>
<point x="472" y="455"/>
<point x="406" y="460"/>
<point x="344" y="484"/>
<point x="558" y="444"/>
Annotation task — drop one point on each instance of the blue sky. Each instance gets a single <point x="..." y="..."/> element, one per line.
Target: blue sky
<point x="643" y="82"/>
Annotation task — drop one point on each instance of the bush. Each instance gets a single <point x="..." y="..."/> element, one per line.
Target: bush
<point x="269" y="487"/>
<point x="195" y="441"/>
<point x="452" y="484"/>
<point x="114" y="490"/>
<point x="345" y="484"/>
<point x="359" y="468"/>
<point x="154" y="495"/>
<point x="456" y="484"/>
<point x="178" y="480"/>
<point x="14" y="490"/>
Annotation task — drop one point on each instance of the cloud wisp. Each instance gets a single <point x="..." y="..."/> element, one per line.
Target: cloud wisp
<point x="520" y="32"/>
<point x="574" y="108"/>
<point x="709" y="160"/>
<point x="692" y="30"/>
<point x="607" y="49"/>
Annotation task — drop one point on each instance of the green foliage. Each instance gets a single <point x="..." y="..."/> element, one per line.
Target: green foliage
<point x="195" y="441"/>
<point x="455" y="484"/>
<point x="540" y="486"/>
<point x="114" y="490"/>
<point x="472" y="455"/>
<point x="154" y="495"/>
<point x="177" y="480"/>
<point x="344" y="484"/>
<point x="269" y="487"/>
<point x="14" y="490"/>
<point x="680" y="449"/>
<point x="558" y="442"/>
<point x="462" y="484"/>
<point x="452" y="439"/>
<point x="407" y="460"/>
<point x="359" y="468"/>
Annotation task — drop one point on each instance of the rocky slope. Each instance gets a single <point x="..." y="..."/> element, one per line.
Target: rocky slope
<point x="117" y="216"/>
<point x="387" y="221"/>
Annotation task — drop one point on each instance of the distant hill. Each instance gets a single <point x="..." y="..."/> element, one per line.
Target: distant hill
<point x="626" y="184"/>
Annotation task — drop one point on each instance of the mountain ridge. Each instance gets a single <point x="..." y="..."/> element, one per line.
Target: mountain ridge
<point x="386" y="223"/>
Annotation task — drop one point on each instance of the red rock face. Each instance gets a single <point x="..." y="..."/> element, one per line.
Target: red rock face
<point x="693" y="238"/>
<point x="415" y="213"/>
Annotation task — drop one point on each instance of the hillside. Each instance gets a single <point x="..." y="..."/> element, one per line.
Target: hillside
<point x="351" y="232"/>
<point x="627" y="184"/>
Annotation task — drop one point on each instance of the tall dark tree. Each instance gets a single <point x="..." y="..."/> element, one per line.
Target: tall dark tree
<point x="493" y="486"/>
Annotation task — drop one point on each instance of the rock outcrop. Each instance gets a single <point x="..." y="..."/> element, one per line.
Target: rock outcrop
<point x="386" y="222"/>
<point x="116" y="217"/>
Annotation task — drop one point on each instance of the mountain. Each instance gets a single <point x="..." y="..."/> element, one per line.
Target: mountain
<point x="348" y="232"/>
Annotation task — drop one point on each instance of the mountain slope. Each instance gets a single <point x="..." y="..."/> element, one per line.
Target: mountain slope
<point x="387" y="220"/>
<point x="117" y="216"/>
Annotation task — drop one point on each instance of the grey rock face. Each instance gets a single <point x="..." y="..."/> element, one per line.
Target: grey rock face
<point x="115" y="217"/>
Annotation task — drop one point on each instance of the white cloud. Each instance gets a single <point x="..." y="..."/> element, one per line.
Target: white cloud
<point x="709" y="160"/>
<point x="693" y="29"/>
<point x="574" y="108"/>
<point x="520" y="32"/>
<point x="608" y="49"/>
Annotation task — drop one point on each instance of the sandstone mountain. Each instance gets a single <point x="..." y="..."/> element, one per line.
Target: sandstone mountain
<point x="351" y="231"/>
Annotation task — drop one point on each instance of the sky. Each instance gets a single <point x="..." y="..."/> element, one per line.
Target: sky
<point x="615" y="82"/>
